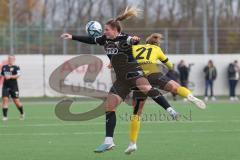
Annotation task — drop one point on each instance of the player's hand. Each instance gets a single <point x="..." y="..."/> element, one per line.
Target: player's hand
<point x="136" y="38"/>
<point x="110" y="66"/>
<point x="7" y="77"/>
<point x="66" y="36"/>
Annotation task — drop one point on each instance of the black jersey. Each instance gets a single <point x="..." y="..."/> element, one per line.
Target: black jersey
<point x="119" y="51"/>
<point x="9" y="71"/>
<point x="121" y="44"/>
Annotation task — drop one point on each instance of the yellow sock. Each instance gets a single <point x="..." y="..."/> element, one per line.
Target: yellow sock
<point x="134" y="128"/>
<point x="183" y="92"/>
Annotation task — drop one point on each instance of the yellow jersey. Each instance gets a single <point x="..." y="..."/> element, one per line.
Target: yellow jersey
<point x="148" y="55"/>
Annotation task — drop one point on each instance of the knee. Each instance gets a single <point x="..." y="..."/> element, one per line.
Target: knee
<point x="5" y="102"/>
<point x="175" y="89"/>
<point x="18" y="103"/>
<point x="145" y="88"/>
<point x="140" y="109"/>
<point x="109" y="107"/>
<point x="139" y="113"/>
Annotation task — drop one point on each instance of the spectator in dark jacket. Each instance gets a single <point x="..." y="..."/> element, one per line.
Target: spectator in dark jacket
<point x="173" y="75"/>
<point x="210" y="76"/>
<point x="183" y="70"/>
<point x="233" y="77"/>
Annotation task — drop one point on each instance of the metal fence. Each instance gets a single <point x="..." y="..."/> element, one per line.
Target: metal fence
<point x="36" y="40"/>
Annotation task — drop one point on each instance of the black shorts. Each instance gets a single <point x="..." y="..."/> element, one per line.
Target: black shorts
<point x="123" y="87"/>
<point x="157" y="80"/>
<point x="13" y="92"/>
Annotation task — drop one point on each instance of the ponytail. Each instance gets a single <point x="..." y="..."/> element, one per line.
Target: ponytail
<point x="128" y="13"/>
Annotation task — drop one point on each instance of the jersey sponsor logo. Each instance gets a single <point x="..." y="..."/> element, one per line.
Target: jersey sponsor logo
<point x="7" y="73"/>
<point x="111" y="50"/>
<point x="146" y="62"/>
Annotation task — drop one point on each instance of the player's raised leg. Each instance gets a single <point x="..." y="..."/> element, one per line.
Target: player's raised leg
<point x="163" y="81"/>
<point x="174" y="87"/>
<point x="161" y="101"/>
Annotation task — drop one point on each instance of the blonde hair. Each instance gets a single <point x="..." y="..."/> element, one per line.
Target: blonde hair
<point x="128" y="13"/>
<point x="154" y="39"/>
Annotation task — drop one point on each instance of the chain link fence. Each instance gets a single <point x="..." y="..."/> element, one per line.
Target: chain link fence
<point x="37" y="40"/>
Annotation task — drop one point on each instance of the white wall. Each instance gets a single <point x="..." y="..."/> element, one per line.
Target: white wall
<point x="197" y="77"/>
<point x="36" y="70"/>
<point x="103" y="80"/>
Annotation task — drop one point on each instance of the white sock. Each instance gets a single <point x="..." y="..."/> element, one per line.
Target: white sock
<point x="132" y="143"/>
<point x="108" y="140"/>
<point x="189" y="95"/>
<point x="171" y="111"/>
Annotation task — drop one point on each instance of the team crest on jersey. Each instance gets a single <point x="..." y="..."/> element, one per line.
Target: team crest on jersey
<point x="11" y="69"/>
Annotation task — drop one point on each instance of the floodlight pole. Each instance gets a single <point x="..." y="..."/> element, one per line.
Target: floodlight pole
<point x="11" y="26"/>
<point x="215" y="27"/>
<point x="113" y="9"/>
<point x="205" y="28"/>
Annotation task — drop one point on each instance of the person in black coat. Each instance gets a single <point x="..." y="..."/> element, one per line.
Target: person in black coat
<point x="183" y="70"/>
<point x="173" y="75"/>
<point x="210" y="72"/>
<point x="233" y="78"/>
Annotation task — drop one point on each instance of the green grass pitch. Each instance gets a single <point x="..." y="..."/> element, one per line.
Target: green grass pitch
<point x="211" y="134"/>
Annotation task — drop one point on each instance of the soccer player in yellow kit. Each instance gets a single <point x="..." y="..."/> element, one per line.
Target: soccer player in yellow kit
<point x="148" y="55"/>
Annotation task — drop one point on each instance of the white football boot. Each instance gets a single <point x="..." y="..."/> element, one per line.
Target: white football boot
<point x="5" y="118"/>
<point x="131" y="148"/>
<point x="199" y="103"/>
<point x="22" y="117"/>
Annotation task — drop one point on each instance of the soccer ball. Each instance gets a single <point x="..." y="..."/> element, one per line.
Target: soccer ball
<point x="93" y="29"/>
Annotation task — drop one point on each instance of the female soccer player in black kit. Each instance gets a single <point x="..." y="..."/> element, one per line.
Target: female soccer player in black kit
<point x="11" y="73"/>
<point x="118" y="47"/>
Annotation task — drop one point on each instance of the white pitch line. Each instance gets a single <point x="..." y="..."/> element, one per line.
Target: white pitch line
<point x="100" y="133"/>
<point x="5" y="125"/>
<point x="56" y="102"/>
<point x="97" y="101"/>
<point x="63" y="134"/>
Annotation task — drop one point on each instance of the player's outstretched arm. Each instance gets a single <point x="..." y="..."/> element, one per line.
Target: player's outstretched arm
<point x="83" y="39"/>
